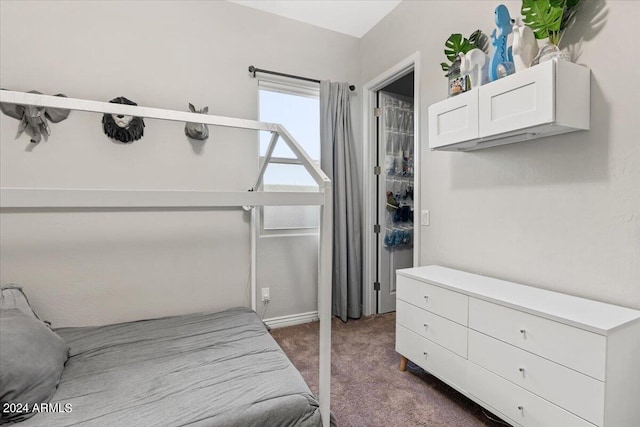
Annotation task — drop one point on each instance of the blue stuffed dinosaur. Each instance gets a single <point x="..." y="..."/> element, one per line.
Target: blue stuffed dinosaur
<point x="501" y="54"/>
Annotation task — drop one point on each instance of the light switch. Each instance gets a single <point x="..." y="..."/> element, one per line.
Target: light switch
<point x="424" y="217"/>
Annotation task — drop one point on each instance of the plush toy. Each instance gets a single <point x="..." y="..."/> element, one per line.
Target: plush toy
<point x="502" y="59"/>
<point x="33" y="120"/>
<point x="525" y="46"/>
<point x="475" y="64"/>
<point x="120" y="127"/>
<point x="198" y="131"/>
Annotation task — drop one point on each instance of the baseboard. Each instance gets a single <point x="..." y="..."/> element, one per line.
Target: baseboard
<point x="292" y="319"/>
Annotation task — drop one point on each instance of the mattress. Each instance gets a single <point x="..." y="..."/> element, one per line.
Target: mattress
<point x="221" y="369"/>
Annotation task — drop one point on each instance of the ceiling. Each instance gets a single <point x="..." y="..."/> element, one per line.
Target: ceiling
<point x="352" y="17"/>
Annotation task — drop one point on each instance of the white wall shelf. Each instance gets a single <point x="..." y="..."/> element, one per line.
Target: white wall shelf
<point x="548" y="99"/>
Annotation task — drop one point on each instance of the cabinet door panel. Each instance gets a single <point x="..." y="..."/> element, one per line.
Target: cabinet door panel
<point x="454" y="120"/>
<point x="523" y="100"/>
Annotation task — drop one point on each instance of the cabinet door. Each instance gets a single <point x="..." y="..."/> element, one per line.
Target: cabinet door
<point x="454" y="120"/>
<point x="520" y="101"/>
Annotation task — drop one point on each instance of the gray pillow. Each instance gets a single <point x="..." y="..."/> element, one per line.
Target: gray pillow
<point x="32" y="358"/>
<point x="12" y="296"/>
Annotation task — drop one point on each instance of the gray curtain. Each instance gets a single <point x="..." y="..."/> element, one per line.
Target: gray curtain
<point x="339" y="163"/>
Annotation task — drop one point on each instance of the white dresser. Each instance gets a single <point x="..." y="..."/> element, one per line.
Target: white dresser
<point x="533" y="357"/>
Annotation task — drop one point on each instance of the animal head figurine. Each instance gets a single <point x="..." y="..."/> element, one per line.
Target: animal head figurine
<point x="475" y="64"/>
<point x="199" y="131"/>
<point x="525" y="46"/>
<point x="120" y="127"/>
<point x="33" y="120"/>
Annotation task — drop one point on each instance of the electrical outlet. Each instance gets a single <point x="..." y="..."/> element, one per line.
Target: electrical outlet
<point x="265" y="294"/>
<point x="425" y="217"/>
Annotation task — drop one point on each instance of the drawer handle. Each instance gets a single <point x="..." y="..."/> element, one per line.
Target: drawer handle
<point x="520" y="408"/>
<point x="523" y="332"/>
<point x="425" y="354"/>
<point x="521" y="370"/>
<point x="426" y="298"/>
<point x="426" y="325"/>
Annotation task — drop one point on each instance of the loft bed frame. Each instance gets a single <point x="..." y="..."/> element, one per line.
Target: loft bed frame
<point x="45" y="198"/>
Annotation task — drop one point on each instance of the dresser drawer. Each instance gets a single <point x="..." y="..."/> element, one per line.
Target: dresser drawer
<point x="452" y="305"/>
<point x="575" y="348"/>
<point x="448" y="334"/>
<point x="569" y="389"/>
<point x="516" y="403"/>
<point x="433" y="358"/>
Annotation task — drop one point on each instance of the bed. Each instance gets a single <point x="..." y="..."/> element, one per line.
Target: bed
<point x="219" y="369"/>
<point x="169" y="371"/>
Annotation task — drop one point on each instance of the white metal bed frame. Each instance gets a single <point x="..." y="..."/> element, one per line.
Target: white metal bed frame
<point x="34" y="198"/>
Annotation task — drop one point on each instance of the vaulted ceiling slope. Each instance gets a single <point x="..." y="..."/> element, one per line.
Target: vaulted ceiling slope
<point x="352" y="17"/>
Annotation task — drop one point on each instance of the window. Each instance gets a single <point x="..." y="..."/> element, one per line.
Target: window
<point x="298" y="109"/>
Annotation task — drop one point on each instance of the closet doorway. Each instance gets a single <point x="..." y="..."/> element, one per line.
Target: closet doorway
<point x="392" y="151"/>
<point x="395" y="186"/>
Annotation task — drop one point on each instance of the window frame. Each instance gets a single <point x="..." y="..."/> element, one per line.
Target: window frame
<point x="297" y="88"/>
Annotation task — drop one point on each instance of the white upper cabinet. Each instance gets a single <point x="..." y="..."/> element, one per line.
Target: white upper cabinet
<point x="548" y="99"/>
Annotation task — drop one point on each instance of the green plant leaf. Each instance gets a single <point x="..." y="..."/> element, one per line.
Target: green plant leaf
<point x="542" y="17"/>
<point x="569" y="13"/>
<point x="445" y="66"/>
<point x="456" y="44"/>
<point x="479" y="40"/>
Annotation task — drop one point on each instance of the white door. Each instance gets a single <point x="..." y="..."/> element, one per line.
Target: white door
<point x="395" y="193"/>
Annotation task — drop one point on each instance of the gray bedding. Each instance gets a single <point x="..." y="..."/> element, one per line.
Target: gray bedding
<point x="221" y="369"/>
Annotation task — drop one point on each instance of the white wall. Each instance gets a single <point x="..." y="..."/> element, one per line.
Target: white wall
<point x="560" y="213"/>
<point x="92" y="268"/>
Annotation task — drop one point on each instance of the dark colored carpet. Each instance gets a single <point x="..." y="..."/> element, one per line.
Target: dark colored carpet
<point x="367" y="388"/>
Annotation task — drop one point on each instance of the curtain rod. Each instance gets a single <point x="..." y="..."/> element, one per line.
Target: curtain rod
<point x="253" y="70"/>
